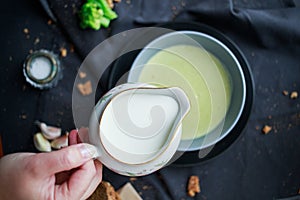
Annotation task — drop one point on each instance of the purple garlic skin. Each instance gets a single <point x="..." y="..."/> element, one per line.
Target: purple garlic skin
<point x="49" y="132"/>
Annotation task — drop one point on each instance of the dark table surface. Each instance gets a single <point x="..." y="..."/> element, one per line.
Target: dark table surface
<point x="256" y="166"/>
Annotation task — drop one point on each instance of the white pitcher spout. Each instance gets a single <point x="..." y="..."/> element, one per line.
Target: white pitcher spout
<point x="183" y="101"/>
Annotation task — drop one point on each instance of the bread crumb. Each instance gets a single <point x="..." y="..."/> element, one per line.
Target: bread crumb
<point x="285" y="92"/>
<point x="105" y="191"/>
<point x="72" y="48"/>
<point x="146" y="187"/>
<point x="294" y="95"/>
<point x="132" y="179"/>
<point x="110" y="3"/>
<point x="26" y="30"/>
<point x="82" y="75"/>
<point x="36" y="41"/>
<point x="266" y="129"/>
<point x="85" y="88"/>
<point x="49" y="22"/>
<point x="63" y="52"/>
<point x="23" y="116"/>
<point x="193" y="186"/>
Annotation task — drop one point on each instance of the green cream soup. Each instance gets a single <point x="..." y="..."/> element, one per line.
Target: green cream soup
<point x="202" y="76"/>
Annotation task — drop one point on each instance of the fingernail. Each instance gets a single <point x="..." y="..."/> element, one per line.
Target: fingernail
<point x="88" y="151"/>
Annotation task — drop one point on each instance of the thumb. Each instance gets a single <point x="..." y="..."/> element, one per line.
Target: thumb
<point x="67" y="158"/>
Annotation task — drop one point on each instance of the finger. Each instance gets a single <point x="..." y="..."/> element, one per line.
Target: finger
<point x="66" y="159"/>
<point x="83" y="135"/>
<point x="73" y="137"/>
<point x="96" y="180"/>
<point x="78" y="184"/>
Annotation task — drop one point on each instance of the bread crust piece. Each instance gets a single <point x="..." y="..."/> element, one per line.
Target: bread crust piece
<point x="128" y="192"/>
<point x="266" y="129"/>
<point x="105" y="191"/>
<point x="85" y="88"/>
<point x="193" y="186"/>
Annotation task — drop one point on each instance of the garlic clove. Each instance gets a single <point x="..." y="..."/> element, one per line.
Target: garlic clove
<point x="41" y="143"/>
<point x="60" y="142"/>
<point x="49" y="132"/>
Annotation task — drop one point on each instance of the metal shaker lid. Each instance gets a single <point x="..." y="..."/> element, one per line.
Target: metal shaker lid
<point x="42" y="69"/>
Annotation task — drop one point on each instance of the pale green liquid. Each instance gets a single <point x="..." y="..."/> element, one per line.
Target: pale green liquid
<point x="204" y="79"/>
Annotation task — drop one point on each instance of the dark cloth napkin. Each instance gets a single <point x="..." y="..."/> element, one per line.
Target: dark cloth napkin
<point x="256" y="166"/>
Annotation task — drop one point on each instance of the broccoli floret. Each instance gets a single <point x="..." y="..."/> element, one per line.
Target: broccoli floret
<point x="104" y="22"/>
<point x="108" y="12"/>
<point x="96" y="13"/>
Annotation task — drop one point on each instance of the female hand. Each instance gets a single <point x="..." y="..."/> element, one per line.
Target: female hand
<point x="69" y="173"/>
